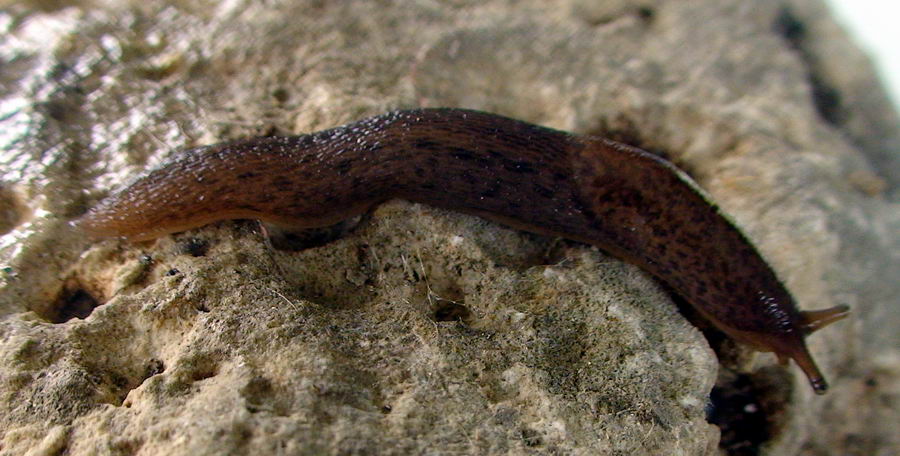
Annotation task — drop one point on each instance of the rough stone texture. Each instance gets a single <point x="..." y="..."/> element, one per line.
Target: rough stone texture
<point x="424" y="331"/>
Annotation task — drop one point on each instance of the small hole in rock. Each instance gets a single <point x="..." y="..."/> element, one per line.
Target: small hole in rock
<point x="195" y="247"/>
<point x="203" y="374"/>
<point x="531" y="437"/>
<point x="281" y="95"/>
<point x="748" y="409"/>
<point x="871" y="382"/>
<point x="73" y="302"/>
<point x="154" y="367"/>
<point x="826" y="98"/>
<point x="450" y="311"/>
<point x="646" y="13"/>
<point x="58" y="110"/>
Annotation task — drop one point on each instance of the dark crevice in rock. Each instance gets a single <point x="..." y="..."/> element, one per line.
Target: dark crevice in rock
<point x="281" y="95"/>
<point x="646" y="13"/>
<point x="203" y="373"/>
<point x="195" y="247"/>
<point x="447" y="300"/>
<point x="868" y="120"/>
<point x="118" y="384"/>
<point x="826" y="98"/>
<point x="297" y="240"/>
<point x="748" y="408"/>
<point x="602" y="15"/>
<point x="154" y="367"/>
<point x="73" y="301"/>
<point x="531" y="438"/>
<point x="446" y="310"/>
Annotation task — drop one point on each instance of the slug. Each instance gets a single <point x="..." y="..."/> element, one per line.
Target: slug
<point x="626" y="201"/>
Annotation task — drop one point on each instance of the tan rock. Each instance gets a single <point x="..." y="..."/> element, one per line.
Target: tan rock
<point x="424" y="331"/>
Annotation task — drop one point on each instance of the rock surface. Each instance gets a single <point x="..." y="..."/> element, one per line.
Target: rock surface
<point x="424" y="331"/>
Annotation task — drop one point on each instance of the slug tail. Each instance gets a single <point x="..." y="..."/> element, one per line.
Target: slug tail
<point x="814" y="320"/>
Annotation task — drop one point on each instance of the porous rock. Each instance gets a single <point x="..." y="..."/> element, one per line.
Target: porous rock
<point x="421" y="330"/>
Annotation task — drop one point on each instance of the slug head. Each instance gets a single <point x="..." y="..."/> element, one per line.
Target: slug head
<point x="791" y="345"/>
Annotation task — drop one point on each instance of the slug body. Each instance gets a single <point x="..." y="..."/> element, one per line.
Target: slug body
<point x="621" y="199"/>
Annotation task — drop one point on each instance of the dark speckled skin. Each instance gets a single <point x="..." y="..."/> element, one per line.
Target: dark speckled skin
<point x="624" y="200"/>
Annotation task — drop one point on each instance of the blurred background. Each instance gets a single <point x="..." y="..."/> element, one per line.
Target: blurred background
<point x="873" y="24"/>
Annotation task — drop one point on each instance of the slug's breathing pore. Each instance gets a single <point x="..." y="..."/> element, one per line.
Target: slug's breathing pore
<point x="621" y="199"/>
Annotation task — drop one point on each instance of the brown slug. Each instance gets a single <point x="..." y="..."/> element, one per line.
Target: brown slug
<point x="621" y="199"/>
